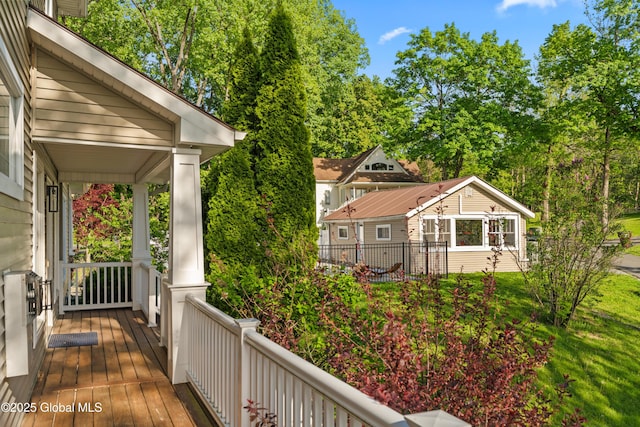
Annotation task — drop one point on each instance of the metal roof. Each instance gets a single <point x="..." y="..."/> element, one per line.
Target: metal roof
<point x="406" y="202"/>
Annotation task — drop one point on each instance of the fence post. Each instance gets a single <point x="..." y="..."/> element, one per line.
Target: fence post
<point x="244" y="369"/>
<point x="404" y="261"/>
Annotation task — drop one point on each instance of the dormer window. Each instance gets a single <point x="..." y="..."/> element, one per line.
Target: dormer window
<point x="367" y="167"/>
<point x="379" y="166"/>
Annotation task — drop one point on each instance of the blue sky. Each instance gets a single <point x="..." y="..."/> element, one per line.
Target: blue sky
<point x="386" y="24"/>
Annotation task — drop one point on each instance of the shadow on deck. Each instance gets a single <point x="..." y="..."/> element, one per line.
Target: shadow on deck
<point x="119" y="382"/>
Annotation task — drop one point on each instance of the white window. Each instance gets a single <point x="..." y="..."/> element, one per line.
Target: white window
<point x="343" y="232"/>
<point x="502" y="232"/>
<point x="327" y="197"/>
<point x="436" y="230"/>
<point x="11" y="127"/>
<point x="383" y="232"/>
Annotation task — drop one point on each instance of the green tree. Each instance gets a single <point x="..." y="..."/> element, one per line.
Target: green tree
<point x="352" y="123"/>
<point x="233" y="232"/>
<point x="572" y="255"/>
<point x="283" y="162"/>
<point x="599" y="66"/>
<point x="466" y="97"/>
<point x="188" y="45"/>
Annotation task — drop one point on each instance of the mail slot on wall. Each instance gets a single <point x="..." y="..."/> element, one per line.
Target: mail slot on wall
<point x="22" y="303"/>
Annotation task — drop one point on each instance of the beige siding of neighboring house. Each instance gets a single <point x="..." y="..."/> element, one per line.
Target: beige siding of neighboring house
<point x="74" y="107"/>
<point x="474" y="200"/>
<point x="16" y="216"/>
<point x="398" y="231"/>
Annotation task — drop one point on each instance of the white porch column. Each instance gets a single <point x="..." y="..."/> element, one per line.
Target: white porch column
<point x="186" y="253"/>
<point x="141" y="249"/>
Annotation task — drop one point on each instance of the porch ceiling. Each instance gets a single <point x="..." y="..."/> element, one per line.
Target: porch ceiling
<point x="120" y="159"/>
<point x="108" y="164"/>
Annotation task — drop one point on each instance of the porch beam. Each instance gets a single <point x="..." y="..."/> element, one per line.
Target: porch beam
<point x="156" y="164"/>
<point x="67" y="141"/>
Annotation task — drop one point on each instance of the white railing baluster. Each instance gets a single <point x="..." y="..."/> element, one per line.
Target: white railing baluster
<point x="89" y="286"/>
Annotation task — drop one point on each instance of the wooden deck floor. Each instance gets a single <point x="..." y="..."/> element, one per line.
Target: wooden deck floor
<point x="119" y="382"/>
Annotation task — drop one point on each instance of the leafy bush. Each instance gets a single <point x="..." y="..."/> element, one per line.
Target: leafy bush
<point x="431" y="348"/>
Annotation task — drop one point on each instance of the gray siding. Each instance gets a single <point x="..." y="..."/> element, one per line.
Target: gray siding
<point x="72" y="106"/>
<point x="16" y="216"/>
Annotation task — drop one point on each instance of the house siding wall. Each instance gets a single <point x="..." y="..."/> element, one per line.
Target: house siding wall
<point x="475" y="201"/>
<point x="72" y="106"/>
<point x="398" y="231"/>
<point x="16" y="223"/>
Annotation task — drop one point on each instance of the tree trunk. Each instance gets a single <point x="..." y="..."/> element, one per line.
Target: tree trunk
<point x="546" y="186"/>
<point x="606" y="176"/>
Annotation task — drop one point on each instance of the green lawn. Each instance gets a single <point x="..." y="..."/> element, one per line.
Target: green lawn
<point x="600" y="350"/>
<point x="631" y="222"/>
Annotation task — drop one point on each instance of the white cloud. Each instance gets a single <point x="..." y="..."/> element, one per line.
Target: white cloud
<point x="393" y="34"/>
<point x="506" y="4"/>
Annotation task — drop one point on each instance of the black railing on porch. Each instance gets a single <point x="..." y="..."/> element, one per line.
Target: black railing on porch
<point x="416" y="258"/>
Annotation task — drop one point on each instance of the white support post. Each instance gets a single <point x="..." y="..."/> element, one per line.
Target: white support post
<point x="141" y="247"/>
<point x="244" y="371"/>
<point x="186" y="254"/>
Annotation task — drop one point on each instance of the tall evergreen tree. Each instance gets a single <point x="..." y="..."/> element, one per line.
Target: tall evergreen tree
<point x="284" y="165"/>
<point x="233" y="213"/>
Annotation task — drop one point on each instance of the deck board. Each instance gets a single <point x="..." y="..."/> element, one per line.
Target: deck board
<point x="124" y="374"/>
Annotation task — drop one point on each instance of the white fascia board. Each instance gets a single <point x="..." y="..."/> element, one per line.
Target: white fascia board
<point x="196" y="127"/>
<point x="474" y="180"/>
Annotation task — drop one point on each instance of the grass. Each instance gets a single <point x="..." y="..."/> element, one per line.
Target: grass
<point x="599" y="350"/>
<point x="631" y="222"/>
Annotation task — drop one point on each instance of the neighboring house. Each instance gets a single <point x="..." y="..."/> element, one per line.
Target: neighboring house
<point x="473" y="217"/>
<point x="342" y="180"/>
<point x="71" y="113"/>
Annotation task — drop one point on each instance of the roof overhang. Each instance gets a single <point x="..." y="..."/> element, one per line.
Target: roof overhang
<point x="193" y="127"/>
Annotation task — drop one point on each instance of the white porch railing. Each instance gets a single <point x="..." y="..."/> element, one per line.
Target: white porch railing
<point x="228" y="362"/>
<point x="88" y="286"/>
<point x="150" y="301"/>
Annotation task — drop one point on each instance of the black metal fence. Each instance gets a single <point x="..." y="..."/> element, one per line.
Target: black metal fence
<point x="415" y="258"/>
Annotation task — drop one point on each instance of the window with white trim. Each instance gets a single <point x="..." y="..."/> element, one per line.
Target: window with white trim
<point x="11" y="127"/>
<point x="327" y="197"/>
<point x="502" y="232"/>
<point x="383" y="232"/>
<point x="436" y="230"/>
<point x="343" y="232"/>
<point x="469" y="232"/>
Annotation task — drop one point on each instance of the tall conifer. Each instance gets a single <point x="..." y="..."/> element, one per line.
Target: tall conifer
<point x="233" y="217"/>
<point x="283" y="162"/>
